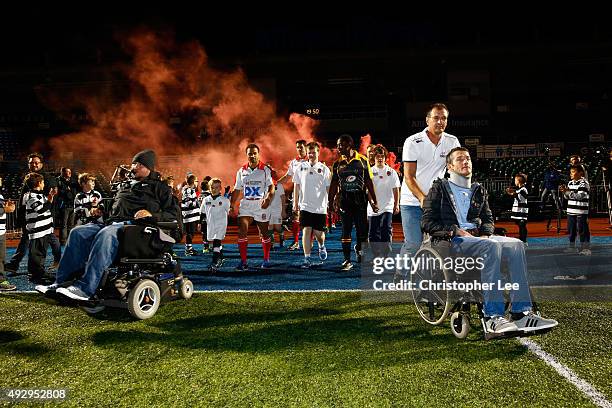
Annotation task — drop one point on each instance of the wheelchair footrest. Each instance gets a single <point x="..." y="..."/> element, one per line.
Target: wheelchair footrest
<point x="156" y="261"/>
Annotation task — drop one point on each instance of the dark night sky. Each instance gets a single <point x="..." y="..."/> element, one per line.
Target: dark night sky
<point x="536" y="62"/>
<point x="72" y="33"/>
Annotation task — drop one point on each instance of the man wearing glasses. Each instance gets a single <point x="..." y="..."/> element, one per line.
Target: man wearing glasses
<point x="424" y="157"/>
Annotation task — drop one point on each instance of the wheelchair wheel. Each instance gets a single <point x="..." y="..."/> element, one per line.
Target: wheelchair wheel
<point x="186" y="289"/>
<point x="433" y="305"/>
<point x="144" y="299"/>
<point x="460" y="324"/>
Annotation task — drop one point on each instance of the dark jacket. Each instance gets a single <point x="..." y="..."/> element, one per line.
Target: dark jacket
<point x="67" y="191"/>
<point x="440" y="213"/>
<point x="150" y="194"/>
<point x="552" y="178"/>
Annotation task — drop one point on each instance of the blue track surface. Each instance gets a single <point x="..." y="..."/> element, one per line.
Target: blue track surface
<point x="547" y="265"/>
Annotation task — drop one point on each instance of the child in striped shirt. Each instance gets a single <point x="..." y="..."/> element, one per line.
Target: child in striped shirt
<point x="88" y="203"/>
<point x="190" y="211"/>
<point x="577" y="195"/>
<point x="39" y="225"/>
<point x="520" y="210"/>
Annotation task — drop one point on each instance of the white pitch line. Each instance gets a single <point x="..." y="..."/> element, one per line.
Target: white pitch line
<point x="334" y="290"/>
<point x="597" y="397"/>
<point x="277" y="291"/>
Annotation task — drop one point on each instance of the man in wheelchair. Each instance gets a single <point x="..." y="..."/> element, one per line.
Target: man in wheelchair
<point x="457" y="210"/>
<point x="94" y="247"/>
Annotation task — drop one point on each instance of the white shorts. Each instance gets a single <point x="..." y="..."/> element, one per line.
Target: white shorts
<point x="216" y="232"/>
<point x="254" y="210"/>
<point x="276" y="219"/>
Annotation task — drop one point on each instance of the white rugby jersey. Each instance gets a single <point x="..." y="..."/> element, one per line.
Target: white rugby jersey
<point x="519" y="207"/>
<point x="294" y="164"/>
<point x="313" y="182"/>
<point x="276" y="206"/>
<point x="578" y="197"/>
<point x="39" y="221"/>
<point x="385" y="179"/>
<point x="189" y="205"/>
<point x="253" y="183"/>
<point x="430" y="160"/>
<point x="216" y="210"/>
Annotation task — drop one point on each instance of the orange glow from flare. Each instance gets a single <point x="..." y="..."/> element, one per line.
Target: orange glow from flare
<point x="166" y="83"/>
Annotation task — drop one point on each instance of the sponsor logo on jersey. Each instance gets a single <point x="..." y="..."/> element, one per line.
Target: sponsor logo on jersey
<point x="252" y="192"/>
<point x="350" y="179"/>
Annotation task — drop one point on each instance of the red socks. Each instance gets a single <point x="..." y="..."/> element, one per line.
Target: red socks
<point x="266" y="244"/>
<point x="243" y="243"/>
<point x="296" y="230"/>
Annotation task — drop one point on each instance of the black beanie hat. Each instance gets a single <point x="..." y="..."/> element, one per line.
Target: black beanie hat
<point x="146" y="158"/>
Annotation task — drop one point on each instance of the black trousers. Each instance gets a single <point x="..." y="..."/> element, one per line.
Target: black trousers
<point x="66" y="216"/>
<point x="190" y="229"/>
<point x="522" y="224"/>
<point x="37" y="255"/>
<point x="353" y="212"/>
<point x="24" y="244"/>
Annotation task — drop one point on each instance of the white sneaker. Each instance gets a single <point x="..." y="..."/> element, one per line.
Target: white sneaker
<point x="585" y="252"/>
<point x="46" y="288"/>
<point x="532" y="322"/>
<point x="73" y="293"/>
<point x="306" y="264"/>
<point x="499" y="324"/>
<point x="322" y="253"/>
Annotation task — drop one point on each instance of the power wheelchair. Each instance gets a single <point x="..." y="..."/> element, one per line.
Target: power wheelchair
<point x="463" y="307"/>
<point x="145" y="274"/>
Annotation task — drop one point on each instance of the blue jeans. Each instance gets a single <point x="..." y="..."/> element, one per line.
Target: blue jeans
<point x="381" y="234"/>
<point x="411" y="225"/>
<point x="91" y="248"/>
<point x="381" y="227"/>
<point x="492" y="250"/>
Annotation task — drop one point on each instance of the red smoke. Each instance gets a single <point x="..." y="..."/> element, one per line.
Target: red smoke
<point x="171" y="96"/>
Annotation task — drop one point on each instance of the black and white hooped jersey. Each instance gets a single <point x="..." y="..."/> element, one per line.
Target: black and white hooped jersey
<point x="189" y="205"/>
<point x="578" y="197"/>
<point x="2" y="217"/>
<point x="83" y="203"/>
<point x="520" y="210"/>
<point x="39" y="221"/>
